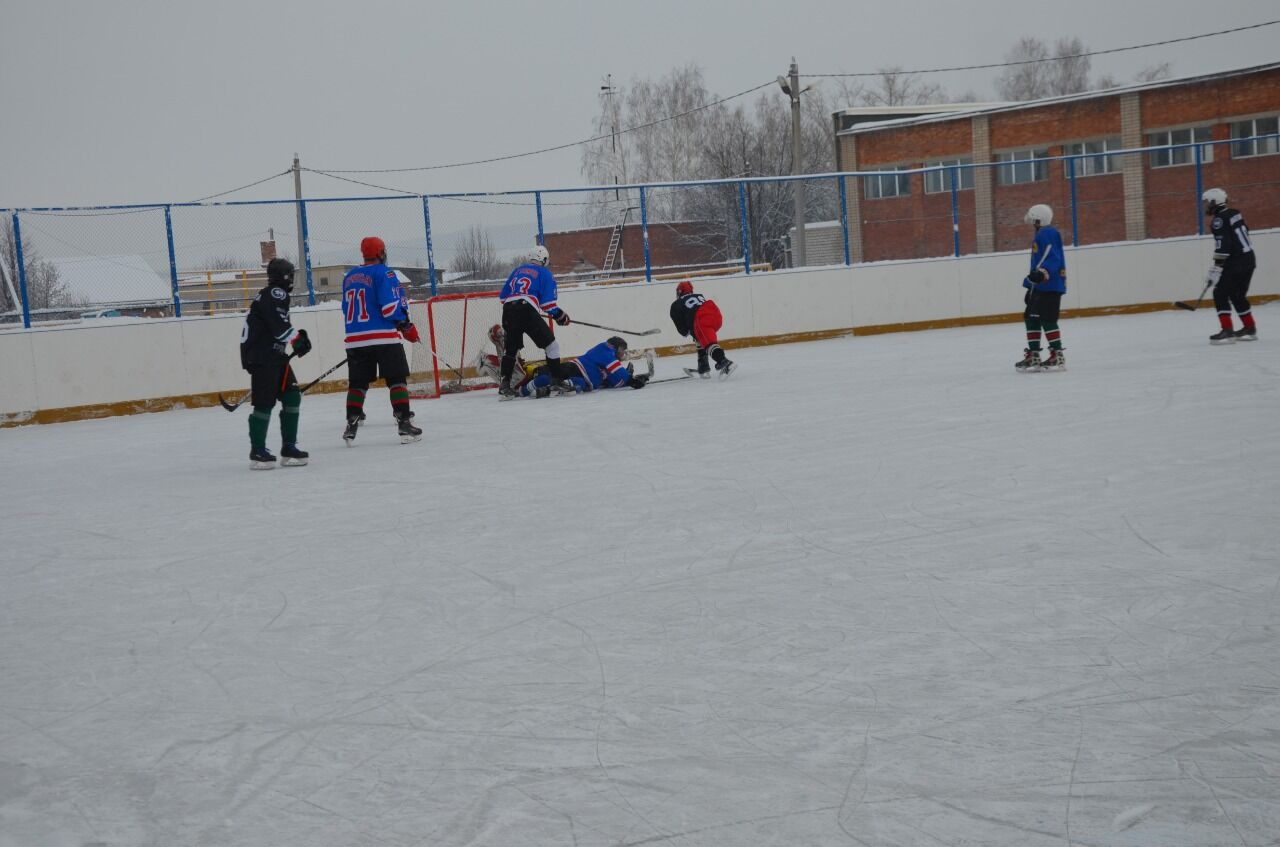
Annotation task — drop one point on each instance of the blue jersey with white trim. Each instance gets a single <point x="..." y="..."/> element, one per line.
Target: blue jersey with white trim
<point x="373" y="303"/>
<point x="535" y="285"/>
<point x="601" y="367"/>
<point x="1047" y="255"/>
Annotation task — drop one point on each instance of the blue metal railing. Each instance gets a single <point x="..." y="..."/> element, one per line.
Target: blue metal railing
<point x="838" y="207"/>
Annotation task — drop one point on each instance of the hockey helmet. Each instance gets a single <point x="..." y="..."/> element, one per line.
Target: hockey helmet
<point x="619" y="345"/>
<point x="280" y="271"/>
<point x="541" y="256"/>
<point x="497" y="335"/>
<point x="372" y="248"/>
<point x="1040" y="215"/>
<point x="1213" y="200"/>
<point x="685" y="287"/>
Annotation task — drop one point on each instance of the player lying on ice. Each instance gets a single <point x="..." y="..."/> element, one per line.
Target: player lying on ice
<point x="599" y="367"/>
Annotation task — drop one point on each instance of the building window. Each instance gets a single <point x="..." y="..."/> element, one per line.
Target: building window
<point x="888" y="185"/>
<point x="324" y="282"/>
<point x="1180" y="155"/>
<point x="936" y="182"/>
<point x="1255" y="146"/>
<point x="1092" y="161"/>
<point x="1020" y="166"/>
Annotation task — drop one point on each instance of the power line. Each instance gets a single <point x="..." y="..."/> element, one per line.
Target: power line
<point x="1062" y="58"/>
<point x="243" y="187"/>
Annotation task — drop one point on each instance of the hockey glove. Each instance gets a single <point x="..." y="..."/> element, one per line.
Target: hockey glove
<point x="1038" y="275"/>
<point x="639" y="381"/>
<point x="561" y="317"/>
<point x="301" y="344"/>
<point x="409" y="332"/>
<point x="1215" y="274"/>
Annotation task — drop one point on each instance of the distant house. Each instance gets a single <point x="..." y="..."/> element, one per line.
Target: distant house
<point x="122" y="281"/>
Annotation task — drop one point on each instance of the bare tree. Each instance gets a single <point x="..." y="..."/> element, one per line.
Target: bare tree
<point x="474" y="254"/>
<point x="894" y="87"/>
<point x="1151" y="73"/>
<point x="45" y="290"/>
<point x="226" y="263"/>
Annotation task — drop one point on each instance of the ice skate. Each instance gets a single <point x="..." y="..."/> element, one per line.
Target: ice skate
<point x="506" y="392"/>
<point x="725" y="367"/>
<point x="1057" y="361"/>
<point x="261" y="459"/>
<point x="542" y="391"/>
<point x="292" y="457"/>
<point x="1224" y="336"/>
<point x="349" y="434"/>
<point x="704" y="374"/>
<point x="1030" y="362"/>
<point x="1247" y="333"/>
<point x="408" y="432"/>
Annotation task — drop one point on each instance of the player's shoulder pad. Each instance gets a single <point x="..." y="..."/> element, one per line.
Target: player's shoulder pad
<point x="279" y="293"/>
<point x="1217" y="222"/>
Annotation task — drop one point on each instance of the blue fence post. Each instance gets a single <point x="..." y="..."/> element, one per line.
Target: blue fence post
<point x="644" y="233"/>
<point x="306" y="252"/>
<point x="1199" y="191"/>
<point x="431" y="255"/>
<point x="537" y="201"/>
<point x="844" y="217"/>
<point x="955" y="212"/>
<point x="173" y="262"/>
<point x="22" y="273"/>
<point x="744" y="228"/>
<point x="1075" y="217"/>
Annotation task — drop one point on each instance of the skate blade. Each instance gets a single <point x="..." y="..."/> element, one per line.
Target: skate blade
<point x="1034" y="370"/>
<point x="1221" y="341"/>
<point x="697" y="373"/>
<point x="1247" y="338"/>
<point x="724" y="374"/>
<point x="409" y="439"/>
<point x="262" y="466"/>
<point x="292" y="463"/>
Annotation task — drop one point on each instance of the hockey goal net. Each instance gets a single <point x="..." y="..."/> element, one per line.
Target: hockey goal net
<point x="455" y="340"/>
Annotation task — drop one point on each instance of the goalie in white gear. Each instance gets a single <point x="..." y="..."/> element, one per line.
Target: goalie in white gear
<point x="490" y="364"/>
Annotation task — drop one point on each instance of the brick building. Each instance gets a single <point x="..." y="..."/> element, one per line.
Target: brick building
<point x="1151" y="194"/>
<point x="671" y="245"/>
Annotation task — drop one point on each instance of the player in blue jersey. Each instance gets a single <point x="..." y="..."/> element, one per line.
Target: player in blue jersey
<point x="528" y="294"/>
<point x="376" y="312"/>
<point x="1045" y="282"/>
<point x="599" y="367"/>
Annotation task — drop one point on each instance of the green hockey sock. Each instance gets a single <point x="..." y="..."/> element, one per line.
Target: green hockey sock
<point x="1033" y="334"/>
<point x="1053" y="335"/>
<point x="259" y="421"/>
<point x="290" y="410"/>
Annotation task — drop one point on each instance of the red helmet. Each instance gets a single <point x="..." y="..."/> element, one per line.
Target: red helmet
<point x="684" y="288"/>
<point x="372" y="247"/>
<point x="497" y="335"/>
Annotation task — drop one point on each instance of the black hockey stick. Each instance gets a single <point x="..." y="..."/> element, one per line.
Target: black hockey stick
<point x="231" y="407"/>
<point x="669" y="379"/>
<point x="653" y="331"/>
<point x="1191" y="307"/>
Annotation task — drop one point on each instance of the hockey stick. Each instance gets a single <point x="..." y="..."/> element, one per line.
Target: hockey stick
<point x="231" y="407"/>
<point x="1191" y="307"/>
<point x="441" y="361"/>
<point x="669" y="379"/>
<point x="653" y="331"/>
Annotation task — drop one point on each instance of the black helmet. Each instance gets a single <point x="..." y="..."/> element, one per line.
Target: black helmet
<point x="280" y="271"/>
<point x="619" y="345"/>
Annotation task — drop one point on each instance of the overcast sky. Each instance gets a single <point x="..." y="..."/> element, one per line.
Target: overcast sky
<point x="166" y="100"/>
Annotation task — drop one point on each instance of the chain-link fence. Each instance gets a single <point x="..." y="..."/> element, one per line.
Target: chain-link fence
<point x="84" y="264"/>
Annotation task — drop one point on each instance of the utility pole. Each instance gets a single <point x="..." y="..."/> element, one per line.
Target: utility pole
<point x="790" y="86"/>
<point x="609" y="91"/>
<point x="297" y="195"/>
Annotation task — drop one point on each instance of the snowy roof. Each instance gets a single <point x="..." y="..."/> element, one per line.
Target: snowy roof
<point x="112" y="279"/>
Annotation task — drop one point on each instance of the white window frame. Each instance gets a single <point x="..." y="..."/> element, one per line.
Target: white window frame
<point x="1011" y="163"/>
<point x="875" y="184"/>
<point x="939" y="182"/>
<point x="1177" y="157"/>
<point x="1256" y="147"/>
<point x="1092" y="157"/>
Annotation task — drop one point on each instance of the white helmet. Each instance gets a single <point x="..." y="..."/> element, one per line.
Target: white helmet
<point x="1039" y="214"/>
<point x="1213" y="199"/>
<point x="541" y="256"/>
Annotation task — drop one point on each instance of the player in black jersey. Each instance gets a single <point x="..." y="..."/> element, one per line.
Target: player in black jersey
<point x="1233" y="263"/>
<point x="264" y="344"/>
<point x="696" y="315"/>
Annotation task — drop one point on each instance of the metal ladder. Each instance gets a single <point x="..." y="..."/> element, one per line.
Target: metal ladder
<point x="615" y="241"/>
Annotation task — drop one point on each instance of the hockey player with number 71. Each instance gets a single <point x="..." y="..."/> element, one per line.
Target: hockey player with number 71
<point x="696" y="315"/>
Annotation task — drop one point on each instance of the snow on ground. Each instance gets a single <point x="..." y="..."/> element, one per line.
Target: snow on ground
<point x="877" y="591"/>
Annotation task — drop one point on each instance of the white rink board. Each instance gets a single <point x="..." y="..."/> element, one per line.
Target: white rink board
<point x="143" y="359"/>
<point x="875" y="590"/>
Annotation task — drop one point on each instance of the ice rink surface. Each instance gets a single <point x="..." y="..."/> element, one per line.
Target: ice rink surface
<point x="870" y="591"/>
